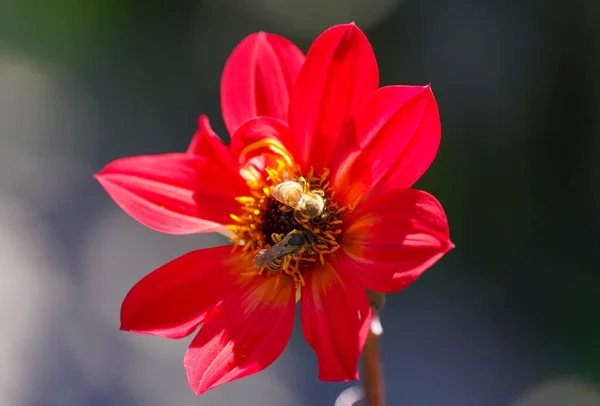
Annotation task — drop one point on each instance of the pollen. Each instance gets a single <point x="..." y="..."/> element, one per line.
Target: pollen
<point x="279" y="238"/>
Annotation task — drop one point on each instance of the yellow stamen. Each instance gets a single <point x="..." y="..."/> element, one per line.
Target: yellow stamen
<point x="236" y="218"/>
<point x="270" y="144"/>
<point x="253" y="233"/>
<point x="245" y="200"/>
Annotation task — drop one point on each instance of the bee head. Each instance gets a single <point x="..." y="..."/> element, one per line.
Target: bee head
<point x="320" y="218"/>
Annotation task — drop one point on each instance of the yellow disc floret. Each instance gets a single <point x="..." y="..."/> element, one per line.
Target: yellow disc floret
<point x="285" y="235"/>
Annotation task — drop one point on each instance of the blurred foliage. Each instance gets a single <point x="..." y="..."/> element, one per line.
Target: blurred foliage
<point x="63" y="29"/>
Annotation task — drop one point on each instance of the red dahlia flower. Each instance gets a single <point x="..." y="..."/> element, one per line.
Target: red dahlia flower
<point x="322" y="121"/>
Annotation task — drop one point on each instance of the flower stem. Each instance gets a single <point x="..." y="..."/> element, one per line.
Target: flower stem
<point x="372" y="373"/>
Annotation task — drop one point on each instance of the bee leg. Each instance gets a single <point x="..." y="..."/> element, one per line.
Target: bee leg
<point x="298" y="217"/>
<point x="302" y="251"/>
<point x="319" y="193"/>
<point x="286" y="263"/>
<point x="284" y="208"/>
<point x="304" y="221"/>
<point x="276" y="237"/>
<point x="297" y="275"/>
<point x="308" y="259"/>
<point x="304" y="183"/>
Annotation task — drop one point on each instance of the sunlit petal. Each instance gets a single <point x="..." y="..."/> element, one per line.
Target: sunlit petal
<point x="335" y="320"/>
<point x="244" y="335"/>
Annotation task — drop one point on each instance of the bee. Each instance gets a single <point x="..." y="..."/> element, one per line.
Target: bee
<point x="280" y="254"/>
<point x="296" y="193"/>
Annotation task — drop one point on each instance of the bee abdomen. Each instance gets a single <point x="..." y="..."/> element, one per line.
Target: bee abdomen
<point x="288" y="193"/>
<point x="275" y="265"/>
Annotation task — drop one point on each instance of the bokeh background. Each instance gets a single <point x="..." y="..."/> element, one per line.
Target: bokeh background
<point x="510" y="317"/>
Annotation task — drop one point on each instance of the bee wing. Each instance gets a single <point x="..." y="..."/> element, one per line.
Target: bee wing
<point x="262" y="257"/>
<point x="291" y="176"/>
<point x="288" y="193"/>
<point x="269" y="254"/>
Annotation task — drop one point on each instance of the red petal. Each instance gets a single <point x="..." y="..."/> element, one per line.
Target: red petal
<point x="392" y="238"/>
<point x="259" y="142"/>
<point x="244" y="335"/>
<point x="340" y="72"/>
<point x="390" y="141"/>
<point x="258" y="78"/>
<point x="335" y="320"/>
<point x="174" y="193"/>
<point x="206" y="143"/>
<point x="172" y="301"/>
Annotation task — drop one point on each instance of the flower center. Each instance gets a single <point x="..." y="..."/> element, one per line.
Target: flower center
<point x="290" y="223"/>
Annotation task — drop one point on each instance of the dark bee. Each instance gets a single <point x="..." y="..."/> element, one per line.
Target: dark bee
<point x="287" y="247"/>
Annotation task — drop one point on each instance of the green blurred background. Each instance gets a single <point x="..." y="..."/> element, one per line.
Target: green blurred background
<point x="510" y="317"/>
